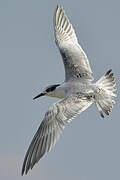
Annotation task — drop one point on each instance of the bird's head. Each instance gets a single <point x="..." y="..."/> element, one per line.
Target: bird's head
<point x="48" y="91"/>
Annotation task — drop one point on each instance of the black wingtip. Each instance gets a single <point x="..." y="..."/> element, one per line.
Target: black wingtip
<point x="23" y="170"/>
<point x="108" y="72"/>
<point x="101" y="114"/>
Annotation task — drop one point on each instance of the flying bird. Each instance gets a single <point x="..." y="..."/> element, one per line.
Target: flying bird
<point x="77" y="92"/>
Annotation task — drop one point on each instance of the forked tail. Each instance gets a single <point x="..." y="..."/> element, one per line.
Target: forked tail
<point x="106" y="91"/>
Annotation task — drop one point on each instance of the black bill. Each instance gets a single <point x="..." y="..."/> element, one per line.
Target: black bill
<point x="39" y="95"/>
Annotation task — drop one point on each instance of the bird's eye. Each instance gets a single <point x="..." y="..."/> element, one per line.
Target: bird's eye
<point x="52" y="88"/>
<point x="48" y="90"/>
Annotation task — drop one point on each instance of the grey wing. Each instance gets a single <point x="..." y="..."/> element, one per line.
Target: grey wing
<point x="75" y="60"/>
<point x="52" y="126"/>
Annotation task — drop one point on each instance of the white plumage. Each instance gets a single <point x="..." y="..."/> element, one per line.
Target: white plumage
<point x="77" y="91"/>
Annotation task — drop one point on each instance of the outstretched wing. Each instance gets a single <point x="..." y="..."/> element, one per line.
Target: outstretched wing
<point x="51" y="127"/>
<point x="75" y="60"/>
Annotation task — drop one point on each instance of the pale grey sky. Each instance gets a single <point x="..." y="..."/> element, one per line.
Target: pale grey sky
<point x="89" y="148"/>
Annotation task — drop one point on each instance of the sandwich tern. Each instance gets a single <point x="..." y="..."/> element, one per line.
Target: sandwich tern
<point x="77" y="92"/>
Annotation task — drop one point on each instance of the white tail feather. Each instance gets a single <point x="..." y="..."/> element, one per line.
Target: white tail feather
<point x="106" y="85"/>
